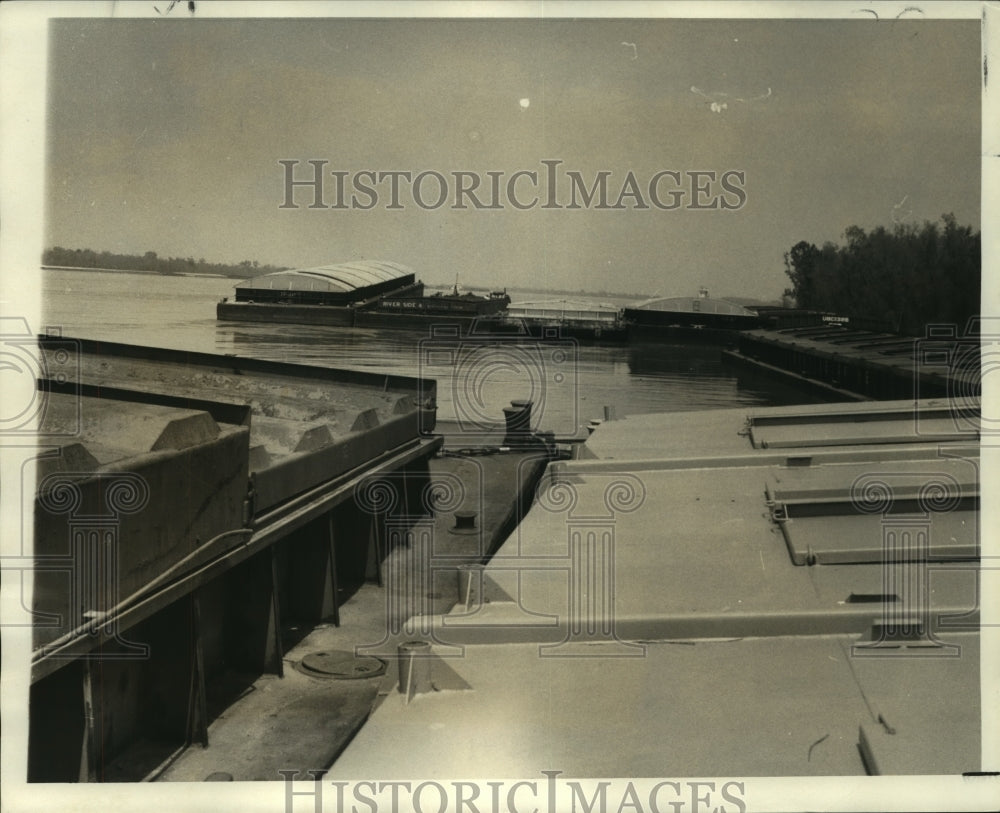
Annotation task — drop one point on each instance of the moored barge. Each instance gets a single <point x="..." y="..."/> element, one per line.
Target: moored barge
<point x="188" y="506"/>
<point x="792" y="591"/>
<point x="360" y="294"/>
<point x="687" y="318"/>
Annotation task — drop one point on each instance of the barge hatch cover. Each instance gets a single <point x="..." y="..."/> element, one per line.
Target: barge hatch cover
<point x="853" y="514"/>
<point x="854" y="434"/>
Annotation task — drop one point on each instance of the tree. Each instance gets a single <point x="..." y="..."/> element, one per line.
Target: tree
<point x="800" y="266"/>
<point x="904" y="278"/>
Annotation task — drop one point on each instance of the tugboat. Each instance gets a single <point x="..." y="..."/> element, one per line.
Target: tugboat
<point x="403" y="308"/>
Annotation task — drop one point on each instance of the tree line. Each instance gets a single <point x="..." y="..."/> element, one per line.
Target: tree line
<point x="150" y="261"/>
<point x="905" y="277"/>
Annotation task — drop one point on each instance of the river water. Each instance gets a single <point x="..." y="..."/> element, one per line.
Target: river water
<point x="570" y="383"/>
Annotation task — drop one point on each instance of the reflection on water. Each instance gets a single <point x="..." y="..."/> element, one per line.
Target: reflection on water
<point x="569" y="382"/>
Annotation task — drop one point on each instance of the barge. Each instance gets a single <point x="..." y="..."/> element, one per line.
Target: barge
<point x="855" y="364"/>
<point x="377" y="294"/>
<point x="197" y="517"/>
<point x="584" y="321"/>
<point x="187" y="507"/>
<point x="372" y="294"/>
<point x="778" y="592"/>
<point x="803" y="626"/>
<point x="364" y="294"/>
<point x="699" y="318"/>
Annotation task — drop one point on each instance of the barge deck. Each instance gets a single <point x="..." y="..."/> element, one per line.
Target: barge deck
<point x="781" y="592"/>
<point x="861" y="364"/>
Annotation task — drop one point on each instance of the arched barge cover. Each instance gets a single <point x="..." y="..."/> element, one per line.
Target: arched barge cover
<point x="340" y="284"/>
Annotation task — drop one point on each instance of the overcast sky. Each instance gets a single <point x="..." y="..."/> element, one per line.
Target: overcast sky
<point x="165" y="135"/>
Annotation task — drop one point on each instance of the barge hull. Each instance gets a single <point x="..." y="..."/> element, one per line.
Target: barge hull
<point x="189" y="507"/>
<point x="329" y="315"/>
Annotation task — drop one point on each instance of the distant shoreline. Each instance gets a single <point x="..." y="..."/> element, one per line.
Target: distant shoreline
<point x="550" y="292"/>
<point x="131" y="271"/>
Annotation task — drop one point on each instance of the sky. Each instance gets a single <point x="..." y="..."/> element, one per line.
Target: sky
<point x="165" y="135"/>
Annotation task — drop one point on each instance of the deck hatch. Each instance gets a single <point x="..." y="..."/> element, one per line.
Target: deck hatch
<point x="854" y="514"/>
<point x="834" y="427"/>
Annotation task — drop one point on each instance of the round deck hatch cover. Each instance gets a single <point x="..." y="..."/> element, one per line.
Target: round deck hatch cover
<point x="339" y="665"/>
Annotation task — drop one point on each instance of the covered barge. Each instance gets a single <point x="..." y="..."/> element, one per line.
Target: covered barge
<point x="359" y="294"/>
<point x="699" y="318"/>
